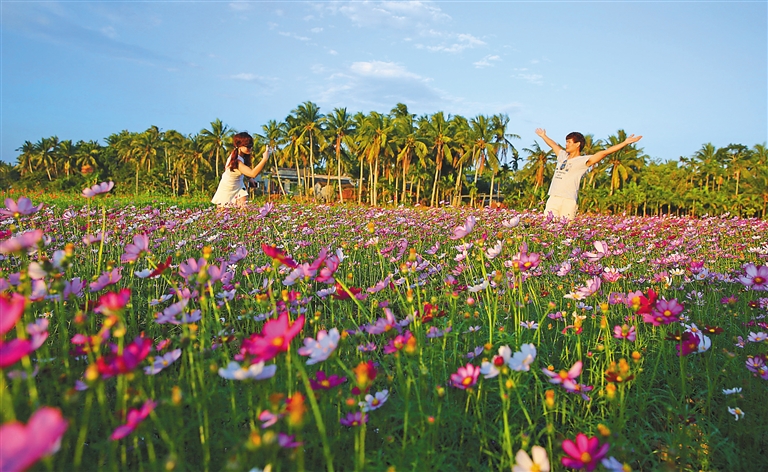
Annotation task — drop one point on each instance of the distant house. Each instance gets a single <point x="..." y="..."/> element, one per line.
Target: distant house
<point x="267" y="182"/>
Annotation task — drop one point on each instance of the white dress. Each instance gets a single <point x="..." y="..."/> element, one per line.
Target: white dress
<point x="231" y="186"/>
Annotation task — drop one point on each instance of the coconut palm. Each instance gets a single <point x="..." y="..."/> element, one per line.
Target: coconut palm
<point x="373" y="138"/>
<point x="45" y="154"/>
<point x="623" y="163"/>
<point x="409" y="143"/>
<point x="274" y="135"/>
<point x="439" y="133"/>
<point x="65" y="155"/>
<point x="309" y="121"/>
<point x="26" y="158"/>
<point x="214" y="140"/>
<point x="339" y="126"/>
<point x="537" y="161"/>
<point x="87" y="155"/>
<point x="738" y="161"/>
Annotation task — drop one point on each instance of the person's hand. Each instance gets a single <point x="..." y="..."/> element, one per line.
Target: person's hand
<point x="541" y="132"/>
<point x="266" y="154"/>
<point x="632" y="139"/>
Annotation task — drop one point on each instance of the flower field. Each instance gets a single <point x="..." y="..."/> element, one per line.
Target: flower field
<point x="296" y="336"/>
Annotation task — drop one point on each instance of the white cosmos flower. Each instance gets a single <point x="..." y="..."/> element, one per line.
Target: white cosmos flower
<point x="729" y="391"/>
<point x="372" y="402"/>
<point x="736" y="412"/>
<point x="494" y="251"/>
<point x="255" y="371"/>
<point x="522" y="359"/>
<point x="526" y="463"/>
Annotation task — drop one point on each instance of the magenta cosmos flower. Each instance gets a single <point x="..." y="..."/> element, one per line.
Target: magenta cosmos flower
<point x="664" y="312"/>
<point x="585" y="453"/>
<point x="133" y="419"/>
<point x="354" y="419"/>
<point x="274" y="338"/>
<point x="23" y="445"/>
<point x="755" y="278"/>
<point x="23" y="206"/>
<point x="465" y="377"/>
<point x="566" y="378"/>
<point x="98" y="189"/>
<point x="12" y="307"/>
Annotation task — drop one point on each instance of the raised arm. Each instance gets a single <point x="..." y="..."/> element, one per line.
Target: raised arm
<point x="598" y="156"/>
<point x="256" y="170"/>
<point x="543" y="134"/>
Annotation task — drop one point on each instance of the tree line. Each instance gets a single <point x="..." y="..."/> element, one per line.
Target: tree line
<point x="401" y="158"/>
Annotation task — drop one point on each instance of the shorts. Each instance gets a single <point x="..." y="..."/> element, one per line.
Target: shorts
<point x="562" y="207"/>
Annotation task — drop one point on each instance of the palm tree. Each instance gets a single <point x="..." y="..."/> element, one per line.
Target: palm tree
<point x="707" y="160"/>
<point x="87" y="155"/>
<point x="438" y="131"/>
<point x="45" y="154"/>
<point x="537" y="163"/>
<point x="483" y="148"/>
<point x="591" y="147"/>
<point x="214" y="139"/>
<point x="275" y="134"/>
<point x="339" y="126"/>
<point x="409" y="143"/>
<point x="373" y="136"/>
<point x="737" y="158"/>
<point x="26" y="158"/>
<point x="144" y="148"/>
<point x="65" y="155"/>
<point x="309" y="120"/>
<point x="624" y="162"/>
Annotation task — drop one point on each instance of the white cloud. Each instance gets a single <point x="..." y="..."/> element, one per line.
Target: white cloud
<point x="317" y="30"/>
<point x="240" y="6"/>
<point x="379" y="85"/>
<point x="487" y="61"/>
<point x="388" y="14"/>
<point x="244" y="76"/>
<point x="456" y="43"/>
<point x="381" y="69"/>
<point x="523" y="74"/>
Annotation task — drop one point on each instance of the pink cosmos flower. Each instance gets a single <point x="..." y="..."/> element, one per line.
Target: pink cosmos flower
<point x="465" y="377"/>
<point x="755" y="278"/>
<point x="24" y="206"/>
<point x="624" y="332"/>
<point x="585" y="453"/>
<point x="112" y="303"/>
<point x="135" y="250"/>
<point x="601" y="250"/>
<point x="162" y="362"/>
<point x="12" y="307"/>
<point x="590" y="288"/>
<point x="278" y="255"/>
<point x="113" y="364"/>
<point x="23" y="445"/>
<point x="463" y="230"/>
<point x="191" y="267"/>
<point x="373" y="402"/>
<point x="107" y="278"/>
<point x="133" y="419"/>
<point x="565" y="378"/>
<point x="22" y="242"/>
<point x="664" y="312"/>
<point x="689" y="343"/>
<point x="523" y="260"/>
<point x="354" y="419"/>
<point x="98" y="189"/>
<point x="757" y="365"/>
<point x="323" y="382"/>
<point x="320" y="349"/>
<point x="287" y="441"/>
<point x="274" y="338"/>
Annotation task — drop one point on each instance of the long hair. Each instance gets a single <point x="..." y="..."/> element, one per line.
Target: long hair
<point x="240" y="139"/>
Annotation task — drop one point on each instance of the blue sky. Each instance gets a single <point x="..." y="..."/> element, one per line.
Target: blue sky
<point x="680" y="73"/>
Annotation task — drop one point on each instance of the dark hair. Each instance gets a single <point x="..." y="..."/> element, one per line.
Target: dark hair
<point x="238" y="140"/>
<point x="577" y="138"/>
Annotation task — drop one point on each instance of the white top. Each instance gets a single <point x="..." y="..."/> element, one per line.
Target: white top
<point x="231" y="186"/>
<point x="568" y="173"/>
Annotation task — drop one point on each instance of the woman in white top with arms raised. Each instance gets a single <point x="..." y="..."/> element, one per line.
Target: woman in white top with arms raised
<point x="571" y="166"/>
<point x="232" y="191"/>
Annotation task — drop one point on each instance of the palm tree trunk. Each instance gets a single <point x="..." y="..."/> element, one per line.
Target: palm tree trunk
<point x="279" y="180"/>
<point x="360" y="186"/>
<point x="338" y="169"/>
<point x="457" y="188"/>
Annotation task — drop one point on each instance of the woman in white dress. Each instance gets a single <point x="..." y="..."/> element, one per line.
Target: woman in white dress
<point x="232" y="191"/>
